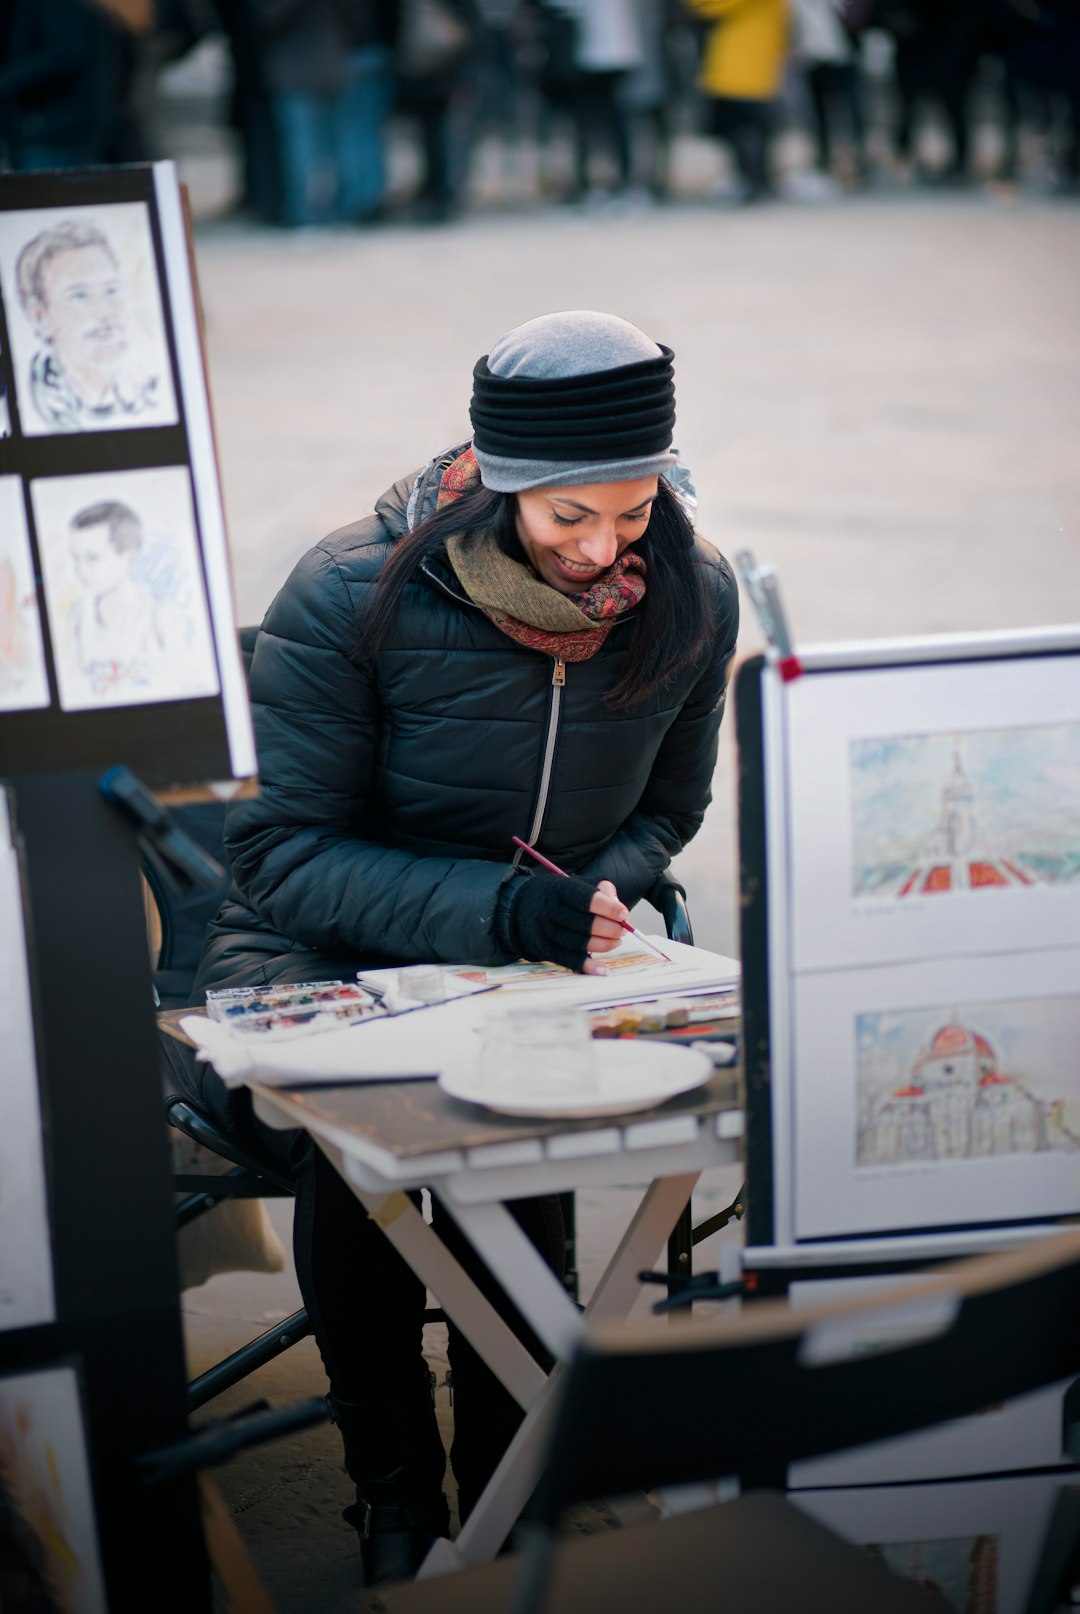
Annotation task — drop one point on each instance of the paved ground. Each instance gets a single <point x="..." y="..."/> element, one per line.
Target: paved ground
<point x="878" y="394"/>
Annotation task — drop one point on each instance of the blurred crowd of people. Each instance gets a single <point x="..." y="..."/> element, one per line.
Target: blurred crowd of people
<point x="317" y="86"/>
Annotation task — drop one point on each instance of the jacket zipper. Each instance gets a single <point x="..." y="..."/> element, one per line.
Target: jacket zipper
<point x="558" y="684"/>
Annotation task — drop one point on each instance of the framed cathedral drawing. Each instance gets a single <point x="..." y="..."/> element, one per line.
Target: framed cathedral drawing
<point x="910" y="846"/>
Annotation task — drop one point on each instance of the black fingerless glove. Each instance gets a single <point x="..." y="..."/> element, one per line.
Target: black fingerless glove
<point x="546" y="916"/>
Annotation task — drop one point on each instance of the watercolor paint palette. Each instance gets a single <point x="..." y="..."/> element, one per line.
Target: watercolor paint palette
<point x="292" y="1010"/>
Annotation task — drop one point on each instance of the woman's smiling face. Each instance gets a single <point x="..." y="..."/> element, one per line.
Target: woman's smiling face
<point x="570" y="535"/>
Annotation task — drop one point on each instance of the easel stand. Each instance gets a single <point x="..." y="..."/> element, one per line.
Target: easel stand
<point x="109" y="1185"/>
<point x="907" y="1103"/>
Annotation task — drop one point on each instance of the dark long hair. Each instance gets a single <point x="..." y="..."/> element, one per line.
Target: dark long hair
<point x="671" y="627"/>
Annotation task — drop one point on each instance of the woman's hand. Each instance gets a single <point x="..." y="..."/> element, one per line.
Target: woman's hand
<point x="607" y="931"/>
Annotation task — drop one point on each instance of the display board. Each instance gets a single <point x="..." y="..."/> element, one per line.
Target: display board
<point x="117" y="637"/>
<point x="910" y="850"/>
<point x="118" y="651"/>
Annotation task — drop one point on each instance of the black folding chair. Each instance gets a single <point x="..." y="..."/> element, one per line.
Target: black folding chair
<point x="650" y="1405"/>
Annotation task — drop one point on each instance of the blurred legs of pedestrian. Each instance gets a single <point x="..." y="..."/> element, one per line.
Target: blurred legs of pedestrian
<point x="305" y="128"/>
<point x="601" y="124"/>
<point x="251" y="114"/>
<point x="652" y="126"/>
<point x="834" y="88"/>
<point x="746" y="127"/>
<point x="938" y="60"/>
<point x="741" y="73"/>
<point x="431" y="105"/>
<point x="916" y="82"/>
<point x="332" y="146"/>
<point x="360" y="121"/>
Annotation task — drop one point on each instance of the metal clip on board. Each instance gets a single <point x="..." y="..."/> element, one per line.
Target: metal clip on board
<point x="764" y="591"/>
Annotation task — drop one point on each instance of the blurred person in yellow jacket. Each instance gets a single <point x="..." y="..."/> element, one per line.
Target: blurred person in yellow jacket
<point x="742" y="66"/>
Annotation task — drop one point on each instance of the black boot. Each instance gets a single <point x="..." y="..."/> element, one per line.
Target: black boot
<point x="394" y="1455"/>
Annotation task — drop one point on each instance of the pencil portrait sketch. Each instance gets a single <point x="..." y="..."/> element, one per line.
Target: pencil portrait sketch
<point x="24" y="682"/>
<point x="124" y="588"/>
<point x="968" y="1082"/>
<point x="85" y="316"/>
<point x="937" y="815"/>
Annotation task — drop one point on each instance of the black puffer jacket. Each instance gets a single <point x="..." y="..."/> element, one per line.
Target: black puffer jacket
<point x="389" y="799"/>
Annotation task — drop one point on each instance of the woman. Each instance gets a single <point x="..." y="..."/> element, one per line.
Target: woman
<point x="524" y="639"/>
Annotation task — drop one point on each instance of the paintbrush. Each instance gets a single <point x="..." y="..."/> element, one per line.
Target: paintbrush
<point x="555" y="869"/>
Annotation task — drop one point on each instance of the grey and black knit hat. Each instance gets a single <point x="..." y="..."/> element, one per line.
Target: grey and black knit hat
<point x="569" y="399"/>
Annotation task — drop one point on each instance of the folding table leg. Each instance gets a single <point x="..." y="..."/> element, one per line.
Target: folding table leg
<point x="433" y="1264"/>
<point x="640" y="1246"/>
<point x="504" y="1496"/>
<point x="509" y="1488"/>
<point x="512" y="1258"/>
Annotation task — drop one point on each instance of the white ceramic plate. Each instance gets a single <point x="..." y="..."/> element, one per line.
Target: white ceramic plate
<point x="630" y="1076"/>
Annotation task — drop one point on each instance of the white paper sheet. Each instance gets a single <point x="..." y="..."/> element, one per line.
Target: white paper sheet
<point x="425" y="1041"/>
<point x="26" y="1289"/>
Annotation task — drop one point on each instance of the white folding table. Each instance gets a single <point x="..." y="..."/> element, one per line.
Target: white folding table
<point x="387" y="1138"/>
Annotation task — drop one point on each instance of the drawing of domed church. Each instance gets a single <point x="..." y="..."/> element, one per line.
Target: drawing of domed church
<point x="956" y="1104"/>
<point x="953" y="858"/>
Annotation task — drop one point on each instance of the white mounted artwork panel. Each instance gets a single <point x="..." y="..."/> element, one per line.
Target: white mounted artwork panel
<point x="24" y="681"/>
<point x="89" y="349"/>
<point x="933" y="811"/>
<point x="123" y="581"/>
<point x="939" y="1094"/>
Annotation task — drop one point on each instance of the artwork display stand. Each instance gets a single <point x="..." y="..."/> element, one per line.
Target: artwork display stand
<point x="908" y="875"/>
<point x="118" y="652"/>
<point x="910" y="884"/>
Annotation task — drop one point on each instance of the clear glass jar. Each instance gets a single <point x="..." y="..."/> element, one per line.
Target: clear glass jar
<point x="421" y="983"/>
<point x="546" y="1050"/>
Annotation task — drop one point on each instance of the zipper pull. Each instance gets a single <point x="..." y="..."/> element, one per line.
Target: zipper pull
<point x="558" y="673"/>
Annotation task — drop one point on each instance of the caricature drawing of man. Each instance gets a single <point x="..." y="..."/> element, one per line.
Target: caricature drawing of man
<point x="117" y="632"/>
<point x="71" y="289"/>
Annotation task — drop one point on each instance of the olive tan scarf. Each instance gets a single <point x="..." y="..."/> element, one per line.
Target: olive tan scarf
<point x="570" y="626"/>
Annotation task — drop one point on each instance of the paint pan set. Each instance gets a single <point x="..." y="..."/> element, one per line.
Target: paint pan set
<point x="292" y="1010"/>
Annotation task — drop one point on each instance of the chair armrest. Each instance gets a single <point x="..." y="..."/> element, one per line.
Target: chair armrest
<point x="669" y="899"/>
<point x="187" y="1119"/>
